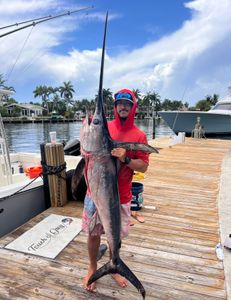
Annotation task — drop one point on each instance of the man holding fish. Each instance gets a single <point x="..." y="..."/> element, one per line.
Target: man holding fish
<point x="122" y="129"/>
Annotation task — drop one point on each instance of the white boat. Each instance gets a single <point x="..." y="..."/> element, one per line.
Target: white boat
<point x="22" y="197"/>
<point x="18" y="205"/>
<point x="216" y="121"/>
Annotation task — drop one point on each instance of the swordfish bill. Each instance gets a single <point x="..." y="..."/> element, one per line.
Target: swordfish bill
<point x="100" y="171"/>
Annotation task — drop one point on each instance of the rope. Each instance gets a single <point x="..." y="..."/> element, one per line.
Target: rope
<point x="17" y="192"/>
<point x="47" y="170"/>
<point x="174" y="123"/>
<point x="20" y="52"/>
<point x="54" y="170"/>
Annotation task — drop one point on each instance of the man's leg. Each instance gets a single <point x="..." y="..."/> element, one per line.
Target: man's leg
<point x="93" y="248"/>
<point x="125" y="226"/>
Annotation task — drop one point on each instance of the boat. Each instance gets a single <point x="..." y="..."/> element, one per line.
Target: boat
<point x="23" y="197"/>
<point x="22" y="191"/>
<point x="215" y="122"/>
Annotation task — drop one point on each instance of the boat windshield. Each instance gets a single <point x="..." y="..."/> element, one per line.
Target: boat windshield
<point x="223" y="106"/>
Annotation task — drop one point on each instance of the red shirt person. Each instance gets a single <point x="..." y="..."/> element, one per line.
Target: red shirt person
<point x="123" y="129"/>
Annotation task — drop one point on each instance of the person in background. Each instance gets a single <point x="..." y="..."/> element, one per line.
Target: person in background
<point x="123" y="129"/>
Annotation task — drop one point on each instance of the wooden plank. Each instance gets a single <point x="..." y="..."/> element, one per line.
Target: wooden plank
<point x="172" y="253"/>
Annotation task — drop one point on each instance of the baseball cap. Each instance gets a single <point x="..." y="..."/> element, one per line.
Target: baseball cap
<point x="124" y="96"/>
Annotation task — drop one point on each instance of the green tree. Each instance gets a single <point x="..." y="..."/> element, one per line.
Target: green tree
<point x="3" y="111"/>
<point x="56" y="102"/>
<point x="172" y="104"/>
<point x="44" y="92"/>
<point x="4" y="86"/>
<point x="203" y="105"/>
<point x="167" y="104"/>
<point x="186" y="104"/>
<point x="108" y="101"/>
<point x="66" y="91"/>
<point x="212" y="99"/>
<point x="138" y="96"/>
<point x="2" y="81"/>
<point x="10" y="100"/>
<point x="152" y="99"/>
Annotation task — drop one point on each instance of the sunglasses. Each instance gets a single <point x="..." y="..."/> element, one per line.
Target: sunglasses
<point x="124" y="96"/>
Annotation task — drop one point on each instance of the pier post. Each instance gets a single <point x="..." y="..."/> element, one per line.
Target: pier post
<point x="153" y="128"/>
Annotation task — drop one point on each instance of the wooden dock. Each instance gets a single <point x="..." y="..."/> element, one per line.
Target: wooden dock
<point x="172" y="253"/>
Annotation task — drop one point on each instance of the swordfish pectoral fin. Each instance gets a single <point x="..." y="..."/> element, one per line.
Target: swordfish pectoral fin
<point x="135" y="147"/>
<point x="77" y="176"/>
<point x="121" y="268"/>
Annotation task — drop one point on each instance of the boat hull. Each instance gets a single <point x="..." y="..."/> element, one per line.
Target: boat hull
<point x="20" y="208"/>
<point x="184" y="121"/>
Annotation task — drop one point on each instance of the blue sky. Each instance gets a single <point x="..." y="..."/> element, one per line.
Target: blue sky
<point x="179" y="49"/>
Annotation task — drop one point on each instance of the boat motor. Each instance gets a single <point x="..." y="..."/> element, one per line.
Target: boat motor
<point x="72" y="148"/>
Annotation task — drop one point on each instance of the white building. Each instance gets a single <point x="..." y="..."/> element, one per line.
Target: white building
<point x="27" y="110"/>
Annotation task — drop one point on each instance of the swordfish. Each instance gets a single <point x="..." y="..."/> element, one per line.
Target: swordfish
<point x="101" y="174"/>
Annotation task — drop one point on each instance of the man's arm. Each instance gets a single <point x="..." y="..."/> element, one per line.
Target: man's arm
<point x="135" y="164"/>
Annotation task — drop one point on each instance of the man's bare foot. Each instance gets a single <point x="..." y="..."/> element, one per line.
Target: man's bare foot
<point x="120" y="280"/>
<point x="138" y="216"/>
<point x="92" y="286"/>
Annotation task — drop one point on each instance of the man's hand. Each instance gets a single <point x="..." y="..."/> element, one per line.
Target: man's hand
<point x="135" y="164"/>
<point x="120" y="153"/>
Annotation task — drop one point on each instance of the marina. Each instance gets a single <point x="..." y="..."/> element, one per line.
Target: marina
<point x="179" y="250"/>
<point x="172" y="253"/>
<point x="39" y="133"/>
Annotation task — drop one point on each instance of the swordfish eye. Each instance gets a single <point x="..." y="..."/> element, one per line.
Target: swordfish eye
<point x="96" y="121"/>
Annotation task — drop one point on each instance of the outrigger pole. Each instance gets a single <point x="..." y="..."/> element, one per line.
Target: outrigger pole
<point x="47" y="19"/>
<point x="20" y="23"/>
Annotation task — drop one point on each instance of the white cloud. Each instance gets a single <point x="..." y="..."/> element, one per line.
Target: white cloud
<point x="194" y="59"/>
<point x="168" y="64"/>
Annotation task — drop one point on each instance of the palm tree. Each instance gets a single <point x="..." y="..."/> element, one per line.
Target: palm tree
<point x="109" y="102"/>
<point x="44" y="92"/>
<point x="66" y="91"/>
<point x="137" y="94"/>
<point x="152" y="99"/>
<point x="2" y="85"/>
<point x="214" y="99"/>
<point x="56" y="102"/>
<point x="2" y="81"/>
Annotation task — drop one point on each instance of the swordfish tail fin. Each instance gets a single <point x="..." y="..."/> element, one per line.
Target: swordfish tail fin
<point x="121" y="268"/>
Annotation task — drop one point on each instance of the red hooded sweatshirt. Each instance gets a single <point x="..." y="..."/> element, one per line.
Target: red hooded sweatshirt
<point x="127" y="132"/>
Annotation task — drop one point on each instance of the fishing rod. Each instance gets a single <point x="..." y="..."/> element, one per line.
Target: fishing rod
<point x="20" y="23"/>
<point x="49" y="18"/>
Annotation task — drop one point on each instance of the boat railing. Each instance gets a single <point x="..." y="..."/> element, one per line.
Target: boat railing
<point x="5" y="166"/>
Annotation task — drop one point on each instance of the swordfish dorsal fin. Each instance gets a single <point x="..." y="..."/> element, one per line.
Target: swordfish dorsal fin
<point x="134" y="146"/>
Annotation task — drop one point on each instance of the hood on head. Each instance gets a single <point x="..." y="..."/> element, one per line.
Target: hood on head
<point x="130" y="119"/>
